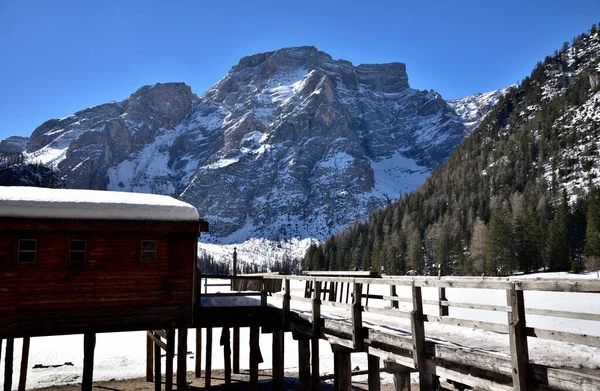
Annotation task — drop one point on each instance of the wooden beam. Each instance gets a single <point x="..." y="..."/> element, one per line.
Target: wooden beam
<point x="374" y="378"/>
<point x="401" y="375"/>
<point x="89" y="345"/>
<point x="254" y="357"/>
<point x="182" y="358"/>
<point x="418" y="335"/>
<point x="208" y="368"/>
<point x="316" y="329"/>
<point x="156" y="339"/>
<point x="169" y="359"/>
<point x="357" y="337"/>
<point x="157" y="365"/>
<point x="517" y="331"/>
<point x="24" y="360"/>
<point x="8" y="364"/>
<point x="149" y="358"/>
<point x="304" y="378"/>
<point x="198" y="358"/>
<point x="226" y="343"/>
<point x="236" y="350"/>
<point x="344" y="370"/>
<point x="278" y="361"/>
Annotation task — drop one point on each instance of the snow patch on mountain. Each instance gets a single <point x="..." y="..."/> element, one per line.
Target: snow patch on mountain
<point x="472" y="109"/>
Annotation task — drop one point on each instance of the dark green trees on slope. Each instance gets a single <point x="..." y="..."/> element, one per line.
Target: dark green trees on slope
<point x="514" y="196"/>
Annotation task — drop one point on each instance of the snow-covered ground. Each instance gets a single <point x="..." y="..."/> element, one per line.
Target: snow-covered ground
<point x="122" y="355"/>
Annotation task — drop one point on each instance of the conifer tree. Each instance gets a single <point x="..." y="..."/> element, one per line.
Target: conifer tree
<point x="557" y="240"/>
<point x="592" y="232"/>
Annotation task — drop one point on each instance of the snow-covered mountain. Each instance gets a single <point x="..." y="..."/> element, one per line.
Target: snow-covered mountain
<point x="472" y="109"/>
<point x="289" y="144"/>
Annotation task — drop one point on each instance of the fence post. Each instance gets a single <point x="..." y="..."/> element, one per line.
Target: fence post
<point x="394" y="303"/>
<point x="316" y="329"/>
<point x="357" y="338"/>
<point x="517" y="330"/>
<point x="418" y="336"/>
<point x="286" y="305"/>
<point x="443" y="307"/>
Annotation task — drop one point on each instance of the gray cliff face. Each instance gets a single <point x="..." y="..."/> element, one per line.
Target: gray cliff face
<point x="289" y="143"/>
<point x="13" y="144"/>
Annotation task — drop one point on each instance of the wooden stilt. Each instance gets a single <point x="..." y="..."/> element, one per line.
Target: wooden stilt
<point x="169" y="359"/>
<point x="401" y="375"/>
<point x="149" y="359"/>
<point x="8" y="364"/>
<point x="278" y="375"/>
<point x="236" y="350"/>
<point x="157" y="365"/>
<point x="345" y="370"/>
<point x="374" y="379"/>
<point x="24" y="360"/>
<point x="226" y="343"/>
<point x="208" y="368"/>
<point x="254" y="357"/>
<point x="182" y="358"/>
<point x="198" y="358"/>
<point x="304" y="383"/>
<point x="0" y="349"/>
<point x="336" y="372"/>
<point x="89" y="344"/>
<point x="316" y="329"/>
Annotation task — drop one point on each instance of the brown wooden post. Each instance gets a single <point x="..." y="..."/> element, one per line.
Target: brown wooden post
<point x="254" y="357"/>
<point x="208" y="368"/>
<point x="89" y="344"/>
<point x="316" y="329"/>
<point x="157" y="365"/>
<point x="182" y="358"/>
<point x="304" y="378"/>
<point x="418" y="337"/>
<point x="344" y="370"/>
<point x="236" y="350"/>
<point x="278" y="374"/>
<point x="394" y="303"/>
<point x="169" y="359"/>
<point x="149" y="359"/>
<point x="517" y="329"/>
<point x="226" y="343"/>
<point x="8" y="364"/>
<point x="286" y="305"/>
<point x="263" y="294"/>
<point x="443" y="308"/>
<point x="374" y="379"/>
<point x="24" y="360"/>
<point x="0" y="349"/>
<point x="198" y="358"/>
<point x="357" y="337"/>
<point x="401" y="375"/>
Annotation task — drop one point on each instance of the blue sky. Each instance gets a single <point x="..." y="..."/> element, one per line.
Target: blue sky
<point x="58" y="57"/>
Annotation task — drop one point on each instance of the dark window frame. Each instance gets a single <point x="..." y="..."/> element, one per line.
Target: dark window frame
<point x="144" y="252"/>
<point x="20" y="251"/>
<point x="84" y="251"/>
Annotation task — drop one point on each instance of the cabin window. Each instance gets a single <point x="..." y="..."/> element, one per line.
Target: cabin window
<point x="77" y="249"/>
<point x="27" y="250"/>
<point x="148" y="250"/>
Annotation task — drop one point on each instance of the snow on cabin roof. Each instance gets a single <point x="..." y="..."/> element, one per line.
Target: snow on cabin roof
<point x="33" y="202"/>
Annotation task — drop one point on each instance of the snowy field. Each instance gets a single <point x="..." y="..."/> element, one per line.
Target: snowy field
<point x="122" y="355"/>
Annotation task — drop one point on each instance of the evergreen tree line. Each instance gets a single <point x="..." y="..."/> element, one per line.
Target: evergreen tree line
<point x="500" y="203"/>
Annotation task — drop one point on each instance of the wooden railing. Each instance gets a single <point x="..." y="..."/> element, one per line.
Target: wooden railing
<point x="355" y="296"/>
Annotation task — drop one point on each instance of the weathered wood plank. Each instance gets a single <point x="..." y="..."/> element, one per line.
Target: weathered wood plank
<point x="156" y="339"/>
<point x="562" y="314"/>
<point x="583" y="339"/>
<point x="401" y="375"/>
<point x="8" y="364"/>
<point x="345" y="370"/>
<point x="89" y="345"/>
<point x="254" y="357"/>
<point x="198" y="354"/>
<point x="24" y="361"/>
<point x="278" y="359"/>
<point x="316" y="330"/>
<point x="157" y="364"/>
<point x="169" y="359"/>
<point x="149" y="358"/>
<point x="236" y="350"/>
<point x="394" y="313"/>
<point x="208" y="364"/>
<point x="518" y="338"/>
<point x="226" y="343"/>
<point x="357" y="337"/>
<point x="374" y="378"/>
<point x="418" y="334"/>
<point x="304" y="378"/>
<point x="182" y="334"/>
<point x="476" y="324"/>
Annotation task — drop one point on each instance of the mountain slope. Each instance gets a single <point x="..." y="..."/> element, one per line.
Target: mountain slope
<point x="290" y="143"/>
<point x="515" y="195"/>
<point x="472" y="109"/>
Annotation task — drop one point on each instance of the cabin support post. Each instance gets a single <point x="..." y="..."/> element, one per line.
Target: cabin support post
<point x="198" y="358"/>
<point x="316" y="331"/>
<point x="418" y="337"/>
<point x="8" y="364"/>
<point x="208" y="368"/>
<point x="0" y="349"/>
<point x="278" y="375"/>
<point x="24" y="360"/>
<point x="182" y="358"/>
<point x="149" y="358"/>
<point x="374" y="379"/>
<point x="169" y="359"/>
<point x="89" y="344"/>
<point x="226" y="343"/>
<point x="304" y="378"/>
<point x="357" y="337"/>
<point x="517" y="330"/>
<point x="157" y="365"/>
<point x="255" y="357"/>
<point x="343" y="370"/>
<point x="236" y="350"/>
<point x="401" y="375"/>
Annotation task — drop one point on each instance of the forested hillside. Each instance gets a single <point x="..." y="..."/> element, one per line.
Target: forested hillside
<point x="517" y="195"/>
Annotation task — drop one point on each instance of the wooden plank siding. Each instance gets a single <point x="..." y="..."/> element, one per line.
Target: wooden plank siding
<point x="112" y="290"/>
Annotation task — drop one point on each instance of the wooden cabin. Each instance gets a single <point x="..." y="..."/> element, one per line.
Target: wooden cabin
<point x="74" y="261"/>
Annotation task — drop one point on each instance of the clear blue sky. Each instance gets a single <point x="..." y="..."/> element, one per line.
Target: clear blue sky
<point x="57" y="57"/>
